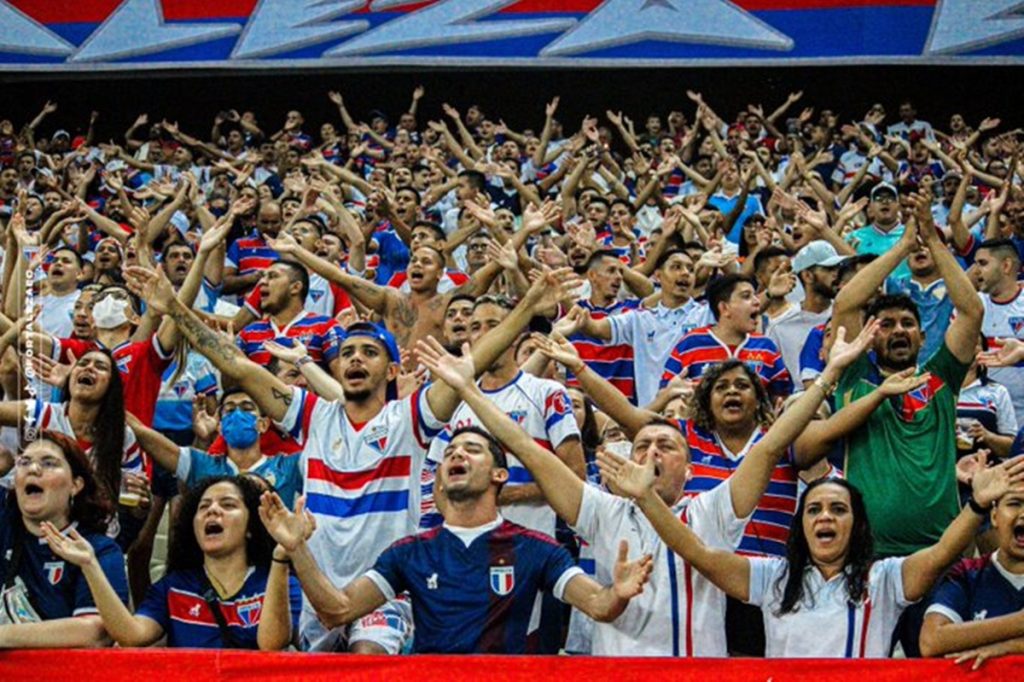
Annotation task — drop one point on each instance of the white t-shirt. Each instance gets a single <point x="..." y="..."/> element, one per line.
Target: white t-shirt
<point x="789" y="332"/>
<point x="826" y="624"/>
<point x="1005" y="320"/>
<point x="653" y="334"/>
<point x="679" y="613"/>
<point x="56" y="313"/>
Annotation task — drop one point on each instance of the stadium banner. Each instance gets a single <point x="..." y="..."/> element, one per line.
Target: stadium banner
<point x="92" y="35"/>
<point x="104" y="665"/>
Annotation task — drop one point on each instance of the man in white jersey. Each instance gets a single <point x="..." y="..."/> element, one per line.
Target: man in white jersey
<point x="680" y="613"/>
<point x="540" y="407"/>
<point x="998" y="263"/>
<point x="361" y="460"/>
<point x="653" y="333"/>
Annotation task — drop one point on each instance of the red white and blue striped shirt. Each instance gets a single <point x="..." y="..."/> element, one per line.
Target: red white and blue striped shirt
<point x="612" y="362"/>
<point x="700" y="349"/>
<point x="250" y="254"/>
<point x="321" y="335"/>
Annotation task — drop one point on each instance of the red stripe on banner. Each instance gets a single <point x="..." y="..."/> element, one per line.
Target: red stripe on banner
<point x="95" y="11"/>
<point x="103" y="665"/>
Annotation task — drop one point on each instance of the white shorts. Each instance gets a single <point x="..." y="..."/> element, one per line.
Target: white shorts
<point x="390" y="627"/>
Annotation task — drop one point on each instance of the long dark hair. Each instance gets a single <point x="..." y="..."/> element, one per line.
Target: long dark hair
<point x="700" y="404"/>
<point x="108" y="440"/>
<point x="184" y="553"/>
<point x="91" y="507"/>
<point x="860" y="552"/>
<point x="590" y="436"/>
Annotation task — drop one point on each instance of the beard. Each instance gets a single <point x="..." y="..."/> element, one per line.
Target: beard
<point x="463" y="494"/>
<point x="357" y="396"/>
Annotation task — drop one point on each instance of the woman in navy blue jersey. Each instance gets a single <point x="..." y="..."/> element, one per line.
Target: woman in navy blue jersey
<point x="224" y="587"/>
<point x="44" y="600"/>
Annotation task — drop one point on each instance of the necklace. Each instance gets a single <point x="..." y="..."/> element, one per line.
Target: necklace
<point x="219" y="586"/>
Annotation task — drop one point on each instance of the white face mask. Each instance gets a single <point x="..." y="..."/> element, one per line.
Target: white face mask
<point x="110" y="313"/>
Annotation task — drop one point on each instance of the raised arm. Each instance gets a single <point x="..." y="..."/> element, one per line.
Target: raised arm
<point x="155" y="444"/>
<point x="962" y="335"/>
<point x="728" y="571"/>
<point x="851" y="300"/>
<point x="125" y="628"/>
<point x="561" y="487"/>
<point x="751" y="479"/>
<point x="269" y="392"/>
<point x="922" y="568"/>
<point x="605" y="604"/>
<point x="290" y="530"/>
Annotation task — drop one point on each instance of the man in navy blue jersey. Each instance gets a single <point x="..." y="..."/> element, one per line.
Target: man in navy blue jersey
<point x="474" y="580"/>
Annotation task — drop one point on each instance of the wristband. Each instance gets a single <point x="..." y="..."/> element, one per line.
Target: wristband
<point x="825" y="387"/>
<point x="975" y="507"/>
<point x="302" y="361"/>
<point x="287" y="562"/>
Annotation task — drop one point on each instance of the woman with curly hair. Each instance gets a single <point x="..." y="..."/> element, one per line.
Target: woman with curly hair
<point x="227" y="586"/>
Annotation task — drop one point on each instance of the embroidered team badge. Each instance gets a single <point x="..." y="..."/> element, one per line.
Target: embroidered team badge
<point x="503" y="580"/>
<point x="377" y="439"/>
<point x="1017" y="325"/>
<point x="518" y="416"/>
<point x="54" y="571"/>
<point x="249" y="612"/>
<point x="316" y="294"/>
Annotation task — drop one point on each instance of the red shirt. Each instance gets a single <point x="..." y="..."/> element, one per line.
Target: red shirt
<point x="141" y="364"/>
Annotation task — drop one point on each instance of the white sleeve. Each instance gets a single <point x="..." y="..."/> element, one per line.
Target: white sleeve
<point x="945" y="612"/>
<point x="383" y="585"/>
<point x="713" y="519"/>
<point x="184" y="463"/>
<point x="1006" y="418"/>
<point x="596" y="506"/>
<point x="558" y="592"/>
<point x="885" y="582"/>
<point x="298" y="418"/>
<point x="764" y="573"/>
<point x="623" y="327"/>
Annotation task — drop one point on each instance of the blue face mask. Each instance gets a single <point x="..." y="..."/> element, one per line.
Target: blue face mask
<point x="239" y="429"/>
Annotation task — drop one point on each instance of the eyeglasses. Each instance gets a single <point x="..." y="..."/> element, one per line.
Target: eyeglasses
<point x="244" y="406"/>
<point x="46" y="463"/>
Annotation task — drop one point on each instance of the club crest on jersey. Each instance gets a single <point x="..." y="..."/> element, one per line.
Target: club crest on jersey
<point x="123" y="363"/>
<point x="316" y="295"/>
<point x="249" y="612"/>
<point x="377" y="439"/>
<point x="1017" y="325"/>
<point x="559" y="403"/>
<point x="503" y="580"/>
<point x="518" y="416"/>
<point x="54" y="571"/>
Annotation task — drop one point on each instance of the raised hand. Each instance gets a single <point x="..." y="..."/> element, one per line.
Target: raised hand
<point x="291" y="354"/>
<point x="451" y="111"/>
<point x="536" y="219"/>
<point x="152" y="286"/>
<point x="49" y="370"/>
<point x="71" y="547"/>
<point x="289" y="529"/>
<point x="551" y="107"/>
<point x="629" y="478"/>
<point x="844" y="354"/>
<point x="204" y="424"/>
<point x="284" y="243"/>
<point x="989" y="484"/>
<point x="458" y="373"/>
<point x="551" y="287"/>
<point x="504" y="255"/>
<point x="903" y="382"/>
<point x="629" y="577"/>
<point x="418" y="92"/>
<point x="1011" y="352"/>
<point x="336" y="98"/>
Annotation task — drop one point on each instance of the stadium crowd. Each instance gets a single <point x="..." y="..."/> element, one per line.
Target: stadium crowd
<point x="709" y="385"/>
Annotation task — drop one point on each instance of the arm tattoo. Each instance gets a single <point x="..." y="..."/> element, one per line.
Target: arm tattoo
<point x="221" y="353"/>
<point x="281" y="396"/>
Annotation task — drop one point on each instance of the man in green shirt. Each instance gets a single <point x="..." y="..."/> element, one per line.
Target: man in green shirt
<point x="904" y="460"/>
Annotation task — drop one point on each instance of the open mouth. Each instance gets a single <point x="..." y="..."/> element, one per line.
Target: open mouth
<point x="213" y="529"/>
<point x="899" y="345"/>
<point x="32" y="490"/>
<point x="459" y="329"/>
<point x="56" y="271"/>
<point x="457" y="470"/>
<point x="356" y="374"/>
<point x="732" y="404"/>
<point x="825" y="535"/>
<point x="86" y="380"/>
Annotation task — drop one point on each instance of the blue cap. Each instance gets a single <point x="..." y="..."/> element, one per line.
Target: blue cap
<point x="386" y="339"/>
<point x="378" y="332"/>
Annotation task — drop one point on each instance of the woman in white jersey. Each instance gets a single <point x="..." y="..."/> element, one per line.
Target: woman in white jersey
<point x="827" y="598"/>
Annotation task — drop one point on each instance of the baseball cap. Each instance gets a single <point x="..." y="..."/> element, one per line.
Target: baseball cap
<point x="818" y="253"/>
<point x="883" y="187"/>
<point x="62" y="133"/>
<point x="952" y="174"/>
<point x="386" y="339"/>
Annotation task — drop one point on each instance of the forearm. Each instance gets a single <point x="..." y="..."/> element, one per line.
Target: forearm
<point x="61" y="633"/>
<point x="275" y="629"/>
<point x="155" y="444"/>
<point x="600" y="603"/>
<point x="921" y="569"/>
<point x="937" y="639"/>
<point x="518" y="494"/>
<point x="866" y="283"/>
<point x="638" y="283"/>
<point x="120" y="624"/>
<point x="367" y="293"/>
<point x="961" y="290"/>
<point x="332" y="606"/>
<point x="322" y="383"/>
<point x="612" y="401"/>
<point x="729" y="572"/>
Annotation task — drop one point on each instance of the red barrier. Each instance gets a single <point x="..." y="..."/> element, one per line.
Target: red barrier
<point x="151" y="665"/>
